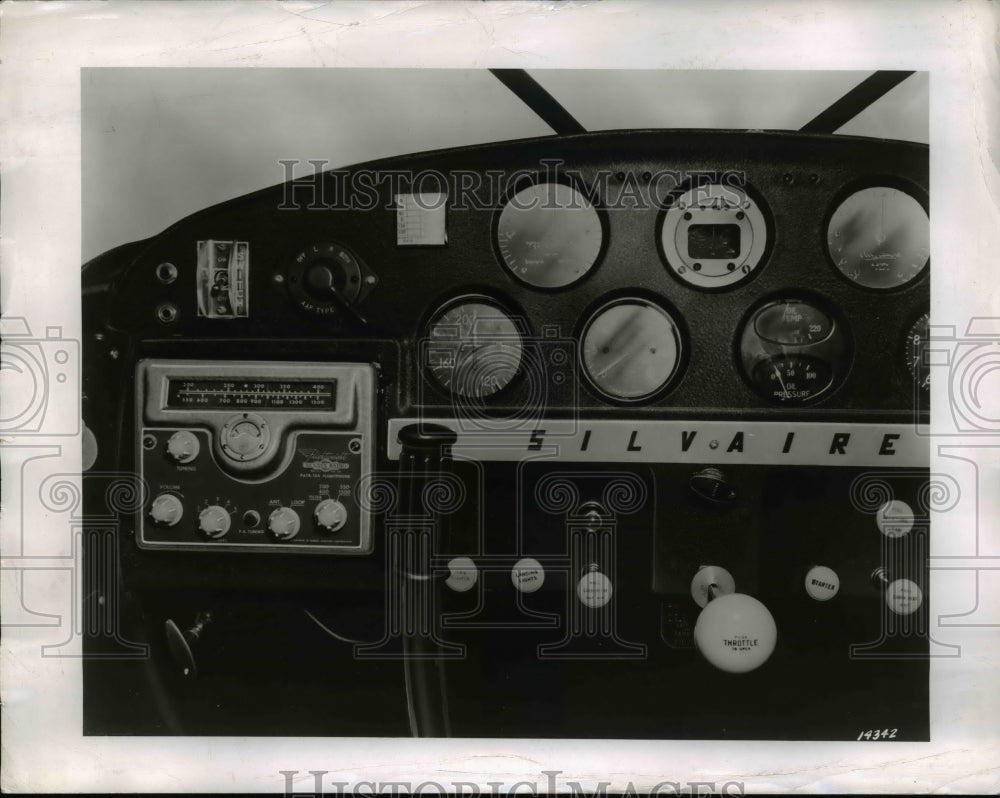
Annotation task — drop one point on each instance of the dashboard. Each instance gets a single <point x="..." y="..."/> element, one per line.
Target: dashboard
<point x="630" y="413"/>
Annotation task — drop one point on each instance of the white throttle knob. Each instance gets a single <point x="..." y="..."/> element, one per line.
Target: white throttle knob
<point x="734" y="632"/>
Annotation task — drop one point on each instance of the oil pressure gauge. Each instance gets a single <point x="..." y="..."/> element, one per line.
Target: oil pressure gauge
<point x="879" y="237"/>
<point x="792" y="351"/>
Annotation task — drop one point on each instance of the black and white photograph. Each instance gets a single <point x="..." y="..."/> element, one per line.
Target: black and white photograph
<point x="549" y="424"/>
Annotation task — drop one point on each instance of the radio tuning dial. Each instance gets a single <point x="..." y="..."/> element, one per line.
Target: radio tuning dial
<point x="331" y="515"/>
<point x="214" y="521"/>
<point x="183" y="446"/>
<point x="166" y="509"/>
<point x="245" y="437"/>
<point x="284" y="523"/>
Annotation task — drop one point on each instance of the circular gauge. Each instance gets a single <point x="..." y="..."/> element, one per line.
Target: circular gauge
<point x="473" y="347"/>
<point x="793" y="351"/>
<point x="789" y="379"/>
<point x="549" y="235"/>
<point x="879" y="237"/>
<point x="914" y="352"/>
<point x="631" y="349"/>
<point x="713" y="236"/>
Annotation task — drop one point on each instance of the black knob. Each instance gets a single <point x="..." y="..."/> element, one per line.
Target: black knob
<point x="324" y="278"/>
<point x="711" y="485"/>
<point x="423" y="436"/>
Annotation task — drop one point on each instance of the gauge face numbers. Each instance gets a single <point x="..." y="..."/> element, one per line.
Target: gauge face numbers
<point x="631" y="350"/>
<point x="473" y="348"/>
<point x="549" y="235"/>
<point x="793" y="351"/>
<point x="713" y="236"/>
<point x="788" y="379"/>
<point x="915" y="352"/>
<point x="879" y="238"/>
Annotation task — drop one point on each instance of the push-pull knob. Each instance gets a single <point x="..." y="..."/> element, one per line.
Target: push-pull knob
<point x="902" y="596"/>
<point x="734" y="632"/>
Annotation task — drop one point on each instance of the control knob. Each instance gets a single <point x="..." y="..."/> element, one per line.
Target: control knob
<point x="183" y="446"/>
<point x="734" y="632"/>
<point x="166" y="509"/>
<point x="331" y="515"/>
<point x="284" y="523"/>
<point x="214" y="521"/>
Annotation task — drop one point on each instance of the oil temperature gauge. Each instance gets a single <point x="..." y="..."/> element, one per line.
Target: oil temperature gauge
<point x="793" y="351"/>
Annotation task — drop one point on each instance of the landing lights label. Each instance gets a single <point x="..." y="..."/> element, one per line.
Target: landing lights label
<point x="674" y="441"/>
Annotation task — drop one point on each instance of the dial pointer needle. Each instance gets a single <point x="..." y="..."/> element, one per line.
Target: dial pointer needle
<point x="777" y="372"/>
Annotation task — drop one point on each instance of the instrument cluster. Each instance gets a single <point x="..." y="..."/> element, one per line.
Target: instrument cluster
<point x="792" y="348"/>
<point x="769" y="270"/>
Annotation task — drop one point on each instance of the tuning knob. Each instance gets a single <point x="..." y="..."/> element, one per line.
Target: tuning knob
<point x="183" y="446"/>
<point x="330" y="515"/>
<point x="214" y="521"/>
<point x="734" y="632"/>
<point x="284" y="523"/>
<point x="166" y="509"/>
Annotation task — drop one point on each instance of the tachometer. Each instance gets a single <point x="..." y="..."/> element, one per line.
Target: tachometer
<point x="549" y="235"/>
<point x="473" y="347"/>
<point x="879" y="237"/>
<point x="631" y="349"/>
<point x="915" y="348"/>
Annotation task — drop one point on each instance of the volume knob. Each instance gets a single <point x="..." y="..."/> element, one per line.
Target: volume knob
<point x="166" y="509"/>
<point x="284" y="523"/>
<point x="214" y="521"/>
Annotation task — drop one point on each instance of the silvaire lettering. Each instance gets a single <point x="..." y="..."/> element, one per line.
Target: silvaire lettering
<point x="677" y="441"/>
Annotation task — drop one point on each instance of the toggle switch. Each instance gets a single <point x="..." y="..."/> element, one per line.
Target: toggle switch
<point x="735" y="632"/>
